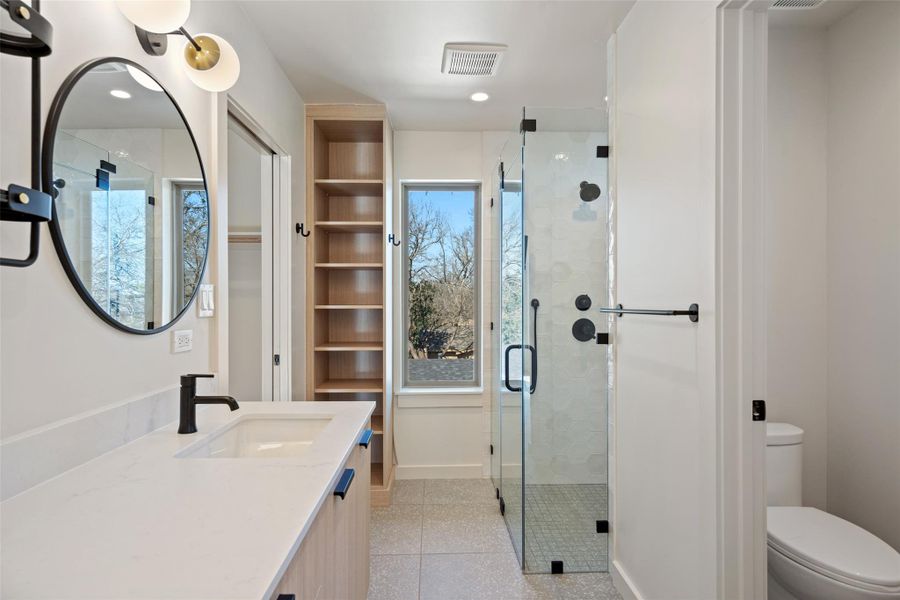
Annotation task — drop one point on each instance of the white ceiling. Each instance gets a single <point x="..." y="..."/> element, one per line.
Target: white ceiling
<point x="390" y="52"/>
<point x="90" y="105"/>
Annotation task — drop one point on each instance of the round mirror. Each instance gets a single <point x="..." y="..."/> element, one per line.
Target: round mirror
<point x="131" y="211"/>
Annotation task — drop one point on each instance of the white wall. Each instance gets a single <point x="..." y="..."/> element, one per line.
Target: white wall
<point x="797" y="328"/>
<point x="445" y="435"/>
<point x="664" y="149"/>
<point x="834" y="258"/>
<point x="46" y="328"/>
<point x="863" y="53"/>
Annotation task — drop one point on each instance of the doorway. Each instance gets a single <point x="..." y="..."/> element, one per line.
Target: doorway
<point x="258" y="365"/>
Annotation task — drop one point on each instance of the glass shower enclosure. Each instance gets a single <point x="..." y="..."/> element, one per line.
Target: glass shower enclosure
<point x="549" y="410"/>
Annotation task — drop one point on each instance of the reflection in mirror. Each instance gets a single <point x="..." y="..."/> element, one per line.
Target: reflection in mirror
<point x="132" y="218"/>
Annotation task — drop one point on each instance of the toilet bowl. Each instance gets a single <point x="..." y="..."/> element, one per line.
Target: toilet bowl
<point x="814" y="555"/>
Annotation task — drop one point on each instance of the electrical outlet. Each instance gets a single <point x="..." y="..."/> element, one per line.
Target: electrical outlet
<point x="182" y="341"/>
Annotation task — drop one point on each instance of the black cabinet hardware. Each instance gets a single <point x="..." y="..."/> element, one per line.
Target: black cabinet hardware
<point x="365" y="438"/>
<point x="343" y="484"/>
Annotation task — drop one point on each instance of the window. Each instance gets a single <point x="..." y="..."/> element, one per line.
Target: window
<point x="190" y="239"/>
<point x="440" y="299"/>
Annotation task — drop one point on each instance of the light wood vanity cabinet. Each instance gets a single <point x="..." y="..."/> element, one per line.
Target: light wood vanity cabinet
<point x="333" y="560"/>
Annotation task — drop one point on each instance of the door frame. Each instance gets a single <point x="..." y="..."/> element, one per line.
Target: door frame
<point x="742" y="55"/>
<point x="225" y="108"/>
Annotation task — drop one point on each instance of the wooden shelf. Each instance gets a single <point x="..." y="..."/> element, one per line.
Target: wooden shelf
<point x="377" y="475"/>
<point x="349" y="265"/>
<point x="349" y="386"/>
<point x="349" y="167"/>
<point x="349" y="306"/>
<point x="351" y="226"/>
<point x="350" y="347"/>
<point x="351" y="187"/>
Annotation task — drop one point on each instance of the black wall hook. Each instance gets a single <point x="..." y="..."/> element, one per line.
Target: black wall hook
<point x="301" y="230"/>
<point x="393" y="240"/>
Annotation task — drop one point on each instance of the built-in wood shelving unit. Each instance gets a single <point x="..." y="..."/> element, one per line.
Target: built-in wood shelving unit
<point x="349" y="178"/>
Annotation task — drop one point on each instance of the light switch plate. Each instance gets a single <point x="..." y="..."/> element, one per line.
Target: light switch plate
<point x="182" y="341"/>
<point x="206" y="301"/>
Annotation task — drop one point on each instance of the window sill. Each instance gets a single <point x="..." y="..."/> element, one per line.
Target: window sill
<point x="440" y="397"/>
<point x="428" y="391"/>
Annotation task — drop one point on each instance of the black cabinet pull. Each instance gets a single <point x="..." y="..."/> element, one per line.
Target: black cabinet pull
<point x="286" y="597"/>
<point x="366" y="438"/>
<point x="343" y="484"/>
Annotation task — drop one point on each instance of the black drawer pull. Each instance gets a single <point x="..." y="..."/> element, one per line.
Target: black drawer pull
<point x="343" y="484"/>
<point x="365" y="438"/>
<point x="287" y="597"/>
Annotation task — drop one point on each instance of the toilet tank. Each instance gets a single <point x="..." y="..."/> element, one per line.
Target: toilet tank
<point x="784" y="464"/>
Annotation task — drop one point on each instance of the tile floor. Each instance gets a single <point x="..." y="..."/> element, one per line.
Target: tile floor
<point x="444" y="539"/>
<point x="560" y="524"/>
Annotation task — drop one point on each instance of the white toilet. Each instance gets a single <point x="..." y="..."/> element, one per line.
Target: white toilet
<point x="813" y="555"/>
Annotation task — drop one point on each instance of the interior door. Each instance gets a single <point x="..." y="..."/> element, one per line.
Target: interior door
<point x="252" y="360"/>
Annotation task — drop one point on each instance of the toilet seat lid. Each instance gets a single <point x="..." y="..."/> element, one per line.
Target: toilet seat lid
<point x="833" y="547"/>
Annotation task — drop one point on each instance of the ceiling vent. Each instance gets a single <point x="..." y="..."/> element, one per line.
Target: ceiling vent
<point x="479" y="60"/>
<point x="797" y="3"/>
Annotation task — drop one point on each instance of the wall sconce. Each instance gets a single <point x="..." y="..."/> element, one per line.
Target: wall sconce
<point x="209" y="61"/>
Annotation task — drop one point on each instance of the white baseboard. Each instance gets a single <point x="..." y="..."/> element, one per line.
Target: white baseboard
<point x="439" y="472"/>
<point x="623" y="582"/>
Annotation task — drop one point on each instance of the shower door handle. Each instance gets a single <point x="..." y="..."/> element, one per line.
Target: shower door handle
<point x="534" y="367"/>
<point x="509" y="349"/>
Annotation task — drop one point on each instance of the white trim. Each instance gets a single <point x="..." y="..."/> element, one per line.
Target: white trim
<point x="623" y="583"/>
<point x="284" y="298"/>
<point x="426" y="391"/>
<point x="740" y="314"/>
<point x="473" y="471"/>
<point x="440" y="401"/>
<point x="399" y="354"/>
<point x="268" y="281"/>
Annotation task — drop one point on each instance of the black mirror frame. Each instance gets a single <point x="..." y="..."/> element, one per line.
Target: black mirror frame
<point x="46" y="181"/>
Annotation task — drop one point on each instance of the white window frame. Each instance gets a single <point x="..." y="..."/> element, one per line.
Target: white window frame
<point x="443" y="387"/>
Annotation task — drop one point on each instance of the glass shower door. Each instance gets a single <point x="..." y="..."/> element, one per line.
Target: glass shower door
<point x="513" y="375"/>
<point x="554" y="268"/>
<point x="109" y="233"/>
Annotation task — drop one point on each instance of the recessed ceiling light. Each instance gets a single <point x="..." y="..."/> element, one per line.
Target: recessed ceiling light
<point x="120" y="94"/>
<point x="479" y="97"/>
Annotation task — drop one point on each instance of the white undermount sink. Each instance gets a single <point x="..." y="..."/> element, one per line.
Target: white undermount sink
<point x="261" y="437"/>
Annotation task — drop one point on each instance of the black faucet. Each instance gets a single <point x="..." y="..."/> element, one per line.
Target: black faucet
<point x="190" y="400"/>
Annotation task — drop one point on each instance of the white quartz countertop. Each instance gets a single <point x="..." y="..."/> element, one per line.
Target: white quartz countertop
<point x="140" y="523"/>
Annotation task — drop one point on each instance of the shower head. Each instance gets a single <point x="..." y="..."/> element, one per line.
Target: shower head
<point x="589" y="191"/>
